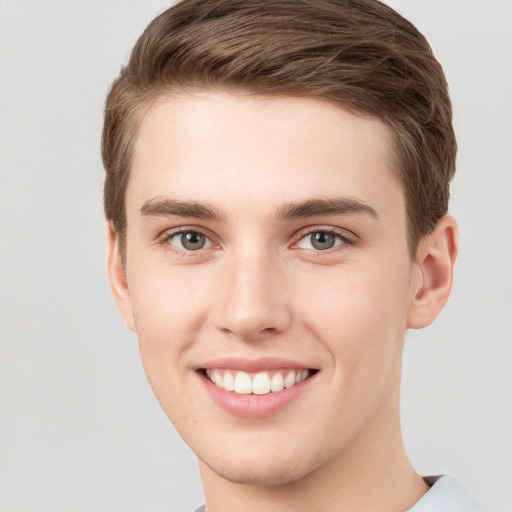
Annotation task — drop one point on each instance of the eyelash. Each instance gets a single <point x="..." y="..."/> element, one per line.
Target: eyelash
<point x="168" y="235"/>
<point x="345" y="238"/>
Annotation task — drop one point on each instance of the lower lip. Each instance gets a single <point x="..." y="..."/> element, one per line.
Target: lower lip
<point x="254" y="406"/>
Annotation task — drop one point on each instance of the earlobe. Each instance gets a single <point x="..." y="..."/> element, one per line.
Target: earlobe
<point x="433" y="273"/>
<point x="117" y="278"/>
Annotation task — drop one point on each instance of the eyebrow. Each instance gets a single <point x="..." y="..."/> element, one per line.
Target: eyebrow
<point x="164" y="207"/>
<point x="327" y="206"/>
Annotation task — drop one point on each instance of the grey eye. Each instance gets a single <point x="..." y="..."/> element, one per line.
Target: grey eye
<point x="189" y="241"/>
<point x="320" y="241"/>
<point x="193" y="241"/>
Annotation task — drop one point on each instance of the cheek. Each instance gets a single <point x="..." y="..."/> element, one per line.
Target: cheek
<point x="166" y="301"/>
<point x="169" y="310"/>
<point x="360" y="317"/>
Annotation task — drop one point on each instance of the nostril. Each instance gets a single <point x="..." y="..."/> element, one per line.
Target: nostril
<point x="252" y="310"/>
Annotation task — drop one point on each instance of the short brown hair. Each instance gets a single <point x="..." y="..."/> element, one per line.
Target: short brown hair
<point x="359" y="54"/>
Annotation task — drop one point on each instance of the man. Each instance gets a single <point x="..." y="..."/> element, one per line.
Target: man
<point x="277" y="191"/>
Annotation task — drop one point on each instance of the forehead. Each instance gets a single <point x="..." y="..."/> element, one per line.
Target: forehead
<point x="224" y="148"/>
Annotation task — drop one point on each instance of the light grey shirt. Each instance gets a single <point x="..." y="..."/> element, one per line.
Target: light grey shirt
<point x="445" y="495"/>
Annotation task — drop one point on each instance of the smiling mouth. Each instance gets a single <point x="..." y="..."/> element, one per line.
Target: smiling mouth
<point x="259" y="383"/>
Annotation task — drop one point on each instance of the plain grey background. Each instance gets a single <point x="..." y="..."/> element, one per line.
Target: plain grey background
<point x="80" y="430"/>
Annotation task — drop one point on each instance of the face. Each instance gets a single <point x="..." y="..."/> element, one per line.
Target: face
<point x="268" y="279"/>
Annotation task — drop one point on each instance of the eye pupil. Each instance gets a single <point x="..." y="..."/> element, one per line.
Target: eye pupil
<point x="193" y="241"/>
<point x="322" y="240"/>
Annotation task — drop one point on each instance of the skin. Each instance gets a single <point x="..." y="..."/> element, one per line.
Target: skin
<point x="260" y="288"/>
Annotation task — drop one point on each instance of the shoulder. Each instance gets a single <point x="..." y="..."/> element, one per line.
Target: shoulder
<point x="446" y="495"/>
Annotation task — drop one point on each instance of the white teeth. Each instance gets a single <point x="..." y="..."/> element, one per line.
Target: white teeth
<point x="277" y="384"/>
<point x="301" y="376"/>
<point x="289" y="380"/>
<point x="261" y="384"/>
<point x="229" y="382"/>
<point x="258" y="384"/>
<point x="243" y="384"/>
<point x="217" y="378"/>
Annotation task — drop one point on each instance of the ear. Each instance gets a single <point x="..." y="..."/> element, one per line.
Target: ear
<point x="433" y="273"/>
<point x="117" y="278"/>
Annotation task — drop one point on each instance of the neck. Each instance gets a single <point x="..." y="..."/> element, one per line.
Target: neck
<point x="372" y="474"/>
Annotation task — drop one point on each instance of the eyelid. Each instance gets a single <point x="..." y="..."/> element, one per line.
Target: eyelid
<point x="346" y="236"/>
<point x="166" y="235"/>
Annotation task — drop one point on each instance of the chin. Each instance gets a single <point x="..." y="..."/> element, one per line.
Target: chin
<point x="259" y="475"/>
<point x="270" y="467"/>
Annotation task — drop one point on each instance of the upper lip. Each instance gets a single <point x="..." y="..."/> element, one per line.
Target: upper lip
<point x="252" y="365"/>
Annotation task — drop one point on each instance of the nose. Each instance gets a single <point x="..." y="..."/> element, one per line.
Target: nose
<point x="253" y="301"/>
